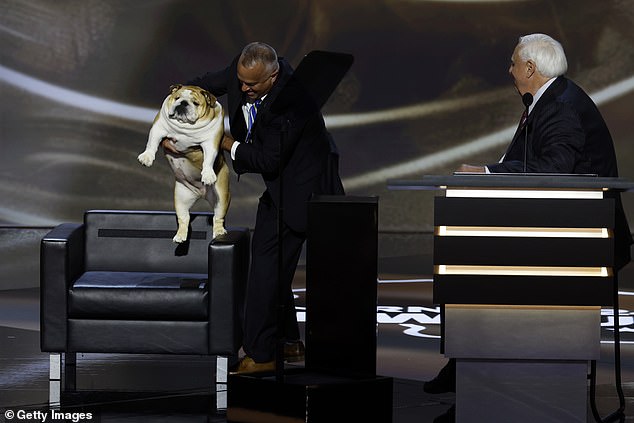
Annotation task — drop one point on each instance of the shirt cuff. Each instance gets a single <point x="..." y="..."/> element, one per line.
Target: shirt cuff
<point x="233" y="149"/>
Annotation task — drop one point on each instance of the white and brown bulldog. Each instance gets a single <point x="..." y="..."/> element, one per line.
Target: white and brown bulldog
<point x="193" y="119"/>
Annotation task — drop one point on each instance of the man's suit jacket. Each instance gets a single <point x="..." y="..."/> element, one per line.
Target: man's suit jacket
<point x="309" y="159"/>
<point x="567" y="134"/>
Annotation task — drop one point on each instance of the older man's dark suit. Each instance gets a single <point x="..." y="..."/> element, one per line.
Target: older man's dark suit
<point x="309" y="164"/>
<point x="567" y="134"/>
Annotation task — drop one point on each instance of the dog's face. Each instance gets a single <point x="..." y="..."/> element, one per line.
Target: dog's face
<point x="189" y="104"/>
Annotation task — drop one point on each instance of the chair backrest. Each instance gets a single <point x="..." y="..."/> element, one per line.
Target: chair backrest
<point x="141" y="241"/>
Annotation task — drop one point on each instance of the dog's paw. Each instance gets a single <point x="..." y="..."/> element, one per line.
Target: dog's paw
<point x="179" y="238"/>
<point x="146" y="158"/>
<point x="208" y="177"/>
<point x="219" y="231"/>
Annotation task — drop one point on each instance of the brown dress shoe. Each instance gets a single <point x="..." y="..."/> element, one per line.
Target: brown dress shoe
<point x="294" y="351"/>
<point x="248" y="366"/>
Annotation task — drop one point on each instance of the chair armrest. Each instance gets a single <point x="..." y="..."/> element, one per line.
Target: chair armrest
<point x="228" y="270"/>
<point x="61" y="262"/>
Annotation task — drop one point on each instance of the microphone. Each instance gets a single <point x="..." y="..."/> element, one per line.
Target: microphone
<point x="527" y="99"/>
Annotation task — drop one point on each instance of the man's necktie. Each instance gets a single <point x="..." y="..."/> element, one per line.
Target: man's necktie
<point x="520" y="127"/>
<point x="253" y="111"/>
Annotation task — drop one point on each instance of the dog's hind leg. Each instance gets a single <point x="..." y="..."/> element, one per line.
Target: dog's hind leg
<point x="222" y="194"/>
<point x="184" y="199"/>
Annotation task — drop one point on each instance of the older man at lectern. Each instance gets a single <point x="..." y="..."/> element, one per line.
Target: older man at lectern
<point x="561" y="131"/>
<point x="564" y="131"/>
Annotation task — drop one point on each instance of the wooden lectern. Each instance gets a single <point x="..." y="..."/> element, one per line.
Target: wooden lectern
<point x="522" y="265"/>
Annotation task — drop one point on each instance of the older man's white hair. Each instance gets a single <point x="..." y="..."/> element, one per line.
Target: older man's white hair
<point x="546" y="52"/>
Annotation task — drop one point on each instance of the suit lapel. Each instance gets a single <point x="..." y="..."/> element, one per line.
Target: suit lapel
<point x="238" y="125"/>
<point x="516" y="136"/>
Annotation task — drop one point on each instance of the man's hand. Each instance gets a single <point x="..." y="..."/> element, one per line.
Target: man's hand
<point x="471" y="169"/>
<point x="227" y="142"/>
<point x="169" y="147"/>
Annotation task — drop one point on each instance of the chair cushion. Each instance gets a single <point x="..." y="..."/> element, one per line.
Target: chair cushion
<point x="139" y="296"/>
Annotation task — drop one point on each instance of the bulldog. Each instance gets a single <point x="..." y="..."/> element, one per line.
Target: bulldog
<point x="194" y="120"/>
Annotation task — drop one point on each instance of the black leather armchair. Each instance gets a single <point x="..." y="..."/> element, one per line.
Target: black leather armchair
<point x="118" y="284"/>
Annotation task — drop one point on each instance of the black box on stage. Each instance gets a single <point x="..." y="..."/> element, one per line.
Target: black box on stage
<point x="339" y="381"/>
<point x="341" y="293"/>
<point x="310" y="397"/>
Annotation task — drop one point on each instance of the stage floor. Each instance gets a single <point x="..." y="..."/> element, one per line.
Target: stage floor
<point x="141" y="388"/>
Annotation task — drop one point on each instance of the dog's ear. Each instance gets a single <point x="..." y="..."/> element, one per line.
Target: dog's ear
<point x="175" y="87"/>
<point x="211" y="99"/>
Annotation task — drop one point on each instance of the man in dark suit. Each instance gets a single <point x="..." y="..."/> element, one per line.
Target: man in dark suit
<point x="263" y="101"/>
<point x="565" y="134"/>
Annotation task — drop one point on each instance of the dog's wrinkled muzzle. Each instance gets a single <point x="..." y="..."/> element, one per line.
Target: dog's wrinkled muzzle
<point x="183" y="112"/>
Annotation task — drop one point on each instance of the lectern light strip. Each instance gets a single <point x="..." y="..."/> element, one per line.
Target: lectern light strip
<point x="522" y="307"/>
<point x="443" y="269"/>
<point x="523" y="193"/>
<point x="531" y="232"/>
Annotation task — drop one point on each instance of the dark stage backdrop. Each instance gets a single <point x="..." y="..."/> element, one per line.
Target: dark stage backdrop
<point x="81" y="81"/>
